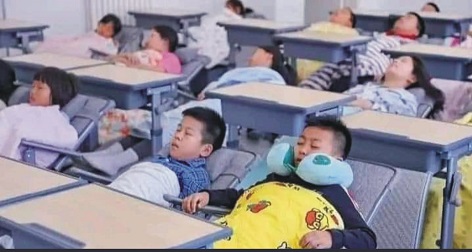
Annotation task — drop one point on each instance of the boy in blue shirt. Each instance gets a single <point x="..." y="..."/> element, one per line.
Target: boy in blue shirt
<point x="183" y="171"/>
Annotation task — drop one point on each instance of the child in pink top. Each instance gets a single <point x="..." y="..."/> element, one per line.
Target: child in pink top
<point x="158" y="54"/>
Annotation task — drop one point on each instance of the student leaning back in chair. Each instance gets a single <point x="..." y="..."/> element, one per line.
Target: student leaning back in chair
<point x="304" y="200"/>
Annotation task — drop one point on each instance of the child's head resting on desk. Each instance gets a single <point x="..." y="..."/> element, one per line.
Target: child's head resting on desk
<point x="200" y="133"/>
<point x="271" y="57"/>
<point x="430" y="7"/>
<point x="162" y="39"/>
<point x="410" y="72"/>
<point x="411" y="26"/>
<point x="318" y="156"/>
<point x="53" y="86"/>
<point x="109" y="26"/>
<point x="343" y="16"/>
<point x="237" y="7"/>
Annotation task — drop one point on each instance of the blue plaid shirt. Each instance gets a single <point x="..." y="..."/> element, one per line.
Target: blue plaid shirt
<point x="192" y="175"/>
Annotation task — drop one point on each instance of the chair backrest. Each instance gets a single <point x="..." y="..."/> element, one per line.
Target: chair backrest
<point x="192" y="63"/>
<point x="425" y="103"/>
<point x="227" y="167"/>
<point x="129" y="39"/>
<point x="392" y="200"/>
<point x="83" y="112"/>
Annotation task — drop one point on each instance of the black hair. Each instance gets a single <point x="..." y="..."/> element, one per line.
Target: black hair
<point x="214" y="126"/>
<point x="64" y="86"/>
<point x="237" y="4"/>
<point x="168" y="34"/>
<point x="421" y="26"/>
<point x="423" y="80"/>
<point x="115" y="20"/>
<point x="435" y="6"/>
<point x="280" y="65"/>
<point x="341" y="135"/>
<point x="7" y="81"/>
<point x="353" y="18"/>
<point x="421" y="23"/>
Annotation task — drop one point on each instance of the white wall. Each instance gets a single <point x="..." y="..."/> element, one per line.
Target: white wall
<point x="65" y="17"/>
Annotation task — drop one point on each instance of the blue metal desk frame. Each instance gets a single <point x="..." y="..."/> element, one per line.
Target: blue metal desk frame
<point x="14" y="37"/>
<point x="309" y="47"/>
<point x="246" y="35"/>
<point x="135" y="96"/>
<point x="373" y="22"/>
<point x="270" y="116"/>
<point x="419" y="156"/>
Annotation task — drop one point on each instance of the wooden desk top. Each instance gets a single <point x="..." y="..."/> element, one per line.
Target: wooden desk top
<point x="281" y="94"/>
<point x="416" y="129"/>
<point x="103" y="218"/>
<point x="19" y="179"/>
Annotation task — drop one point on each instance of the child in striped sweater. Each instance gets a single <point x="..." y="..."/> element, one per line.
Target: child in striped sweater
<point x="371" y="63"/>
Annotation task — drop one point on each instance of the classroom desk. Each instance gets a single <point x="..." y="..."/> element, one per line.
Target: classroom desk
<point x="130" y="88"/>
<point x="444" y="24"/>
<point x="441" y="61"/>
<point x="373" y="20"/>
<point x="177" y="19"/>
<point x="416" y="144"/>
<point x="20" y="182"/>
<point x="14" y="33"/>
<point x="96" y="217"/>
<point x="254" y="32"/>
<point x="322" y="46"/>
<point x="274" y="108"/>
<point x="26" y="66"/>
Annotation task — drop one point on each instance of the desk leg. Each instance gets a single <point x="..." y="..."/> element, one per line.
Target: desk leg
<point x="156" y="128"/>
<point x="354" y="79"/>
<point x="185" y="26"/>
<point x="448" y="216"/>
<point x="340" y="111"/>
<point x="233" y="136"/>
<point x="25" y="43"/>
<point x="232" y="55"/>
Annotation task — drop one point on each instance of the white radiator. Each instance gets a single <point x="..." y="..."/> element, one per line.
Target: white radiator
<point x="96" y="9"/>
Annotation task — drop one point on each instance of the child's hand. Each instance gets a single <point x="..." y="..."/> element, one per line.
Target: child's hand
<point x="317" y="240"/>
<point x="195" y="201"/>
<point x="362" y="103"/>
<point x="201" y="96"/>
<point x="132" y="59"/>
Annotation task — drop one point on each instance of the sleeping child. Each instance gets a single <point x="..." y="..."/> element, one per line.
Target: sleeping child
<point x="158" y="54"/>
<point x="341" y="21"/>
<point x="391" y="94"/>
<point x="336" y="77"/>
<point x="100" y="40"/>
<point x="41" y="119"/>
<point x="304" y="200"/>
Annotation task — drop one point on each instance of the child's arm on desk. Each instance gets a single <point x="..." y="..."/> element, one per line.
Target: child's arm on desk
<point x="157" y="68"/>
<point x="224" y="198"/>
